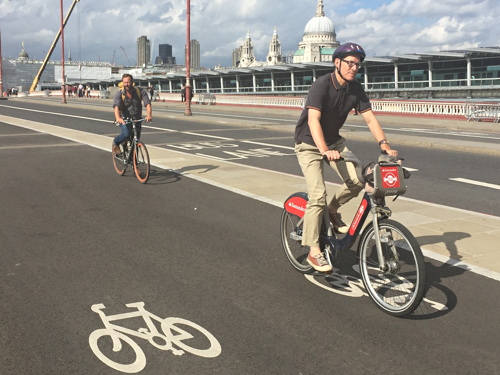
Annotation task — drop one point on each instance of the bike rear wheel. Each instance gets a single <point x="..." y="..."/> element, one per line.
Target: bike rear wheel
<point x="291" y="239"/>
<point x="141" y="162"/>
<point x="400" y="287"/>
<point x="119" y="161"/>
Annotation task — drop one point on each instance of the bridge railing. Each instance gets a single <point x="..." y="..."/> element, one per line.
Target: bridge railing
<point x="434" y="108"/>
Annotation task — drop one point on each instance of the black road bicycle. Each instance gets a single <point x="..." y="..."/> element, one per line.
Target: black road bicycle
<point x="133" y="152"/>
<point x="389" y="257"/>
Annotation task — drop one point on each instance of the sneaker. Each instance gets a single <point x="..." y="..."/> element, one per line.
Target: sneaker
<point x="116" y="150"/>
<point x="338" y="225"/>
<point x="319" y="263"/>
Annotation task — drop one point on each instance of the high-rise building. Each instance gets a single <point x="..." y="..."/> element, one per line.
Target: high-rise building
<point x="165" y="55"/>
<point x="143" y="51"/>
<point x="236" y="57"/>
<point x="195" y="55"/>
<point x="165" y="50"/>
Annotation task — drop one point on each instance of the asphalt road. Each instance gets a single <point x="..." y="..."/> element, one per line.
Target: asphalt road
<point x="76" y="235"/>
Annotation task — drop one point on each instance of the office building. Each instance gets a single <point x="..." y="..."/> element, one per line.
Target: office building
<point x="143" y="51"/>
<point x="165" y="55"/>
<point x="194" y="57"/>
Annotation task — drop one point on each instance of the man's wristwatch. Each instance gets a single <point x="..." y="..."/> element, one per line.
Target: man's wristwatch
<point x="383" y="142"/>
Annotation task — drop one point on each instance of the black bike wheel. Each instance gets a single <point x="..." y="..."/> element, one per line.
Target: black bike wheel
<point x="119" y="161"/>
<point x="291" y="239"/>
<point x="400" y="287"/>
<point x="141" y="162"/>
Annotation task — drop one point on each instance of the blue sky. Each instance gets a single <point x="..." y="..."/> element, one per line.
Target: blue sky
<point x="98" y="29"/>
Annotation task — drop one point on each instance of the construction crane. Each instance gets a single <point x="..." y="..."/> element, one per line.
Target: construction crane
<point x="44" y="64"/>
<point x="125" y="53"/>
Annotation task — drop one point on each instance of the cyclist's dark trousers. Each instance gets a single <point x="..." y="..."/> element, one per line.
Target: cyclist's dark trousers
<point x="126" y="131"/>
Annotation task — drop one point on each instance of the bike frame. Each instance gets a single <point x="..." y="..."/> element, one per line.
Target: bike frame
<point x="133" y="140"/>
<point x="296" y="205"/>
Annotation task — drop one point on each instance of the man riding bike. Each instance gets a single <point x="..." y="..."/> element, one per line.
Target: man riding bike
<point x="330" y="99"/>
<point x="127" y="103"/>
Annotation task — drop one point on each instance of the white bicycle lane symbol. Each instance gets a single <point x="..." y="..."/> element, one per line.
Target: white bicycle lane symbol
<point x="172" y="334"/>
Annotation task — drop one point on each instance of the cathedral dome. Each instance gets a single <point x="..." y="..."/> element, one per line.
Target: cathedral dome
<point x="319" y="25"/>
<point x="23" y="55"/>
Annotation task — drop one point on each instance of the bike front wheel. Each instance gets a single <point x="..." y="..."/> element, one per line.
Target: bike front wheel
<point x="119" y="161"/>
<point x="291" y="239"/>
<point x="141" y="162"/>
<point x="397" y="288"/>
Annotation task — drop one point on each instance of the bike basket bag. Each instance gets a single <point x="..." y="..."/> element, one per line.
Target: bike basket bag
<point x="386" y="178"/>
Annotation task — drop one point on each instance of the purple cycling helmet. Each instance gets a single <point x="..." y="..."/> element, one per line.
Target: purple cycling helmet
<point x="349" y="49"/>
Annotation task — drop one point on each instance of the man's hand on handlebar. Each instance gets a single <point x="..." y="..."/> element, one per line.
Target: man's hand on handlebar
<point x="332" y="155"/>
<point x="392" y="153"/>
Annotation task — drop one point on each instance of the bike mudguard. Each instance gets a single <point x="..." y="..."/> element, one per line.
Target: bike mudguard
<point x="296" y="204"/>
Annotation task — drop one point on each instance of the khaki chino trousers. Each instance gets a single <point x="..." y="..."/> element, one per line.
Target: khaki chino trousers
<point x="311" y="163"/>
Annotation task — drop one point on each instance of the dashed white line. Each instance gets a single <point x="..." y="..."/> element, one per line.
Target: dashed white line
<point x="477" y="183"/>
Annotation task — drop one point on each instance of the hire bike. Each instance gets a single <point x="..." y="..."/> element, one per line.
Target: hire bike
<point x="389" y="257"/>
<point x="133" y="152"/>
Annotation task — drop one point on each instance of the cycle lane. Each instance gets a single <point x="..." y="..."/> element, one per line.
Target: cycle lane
<point x="461" y="238"/>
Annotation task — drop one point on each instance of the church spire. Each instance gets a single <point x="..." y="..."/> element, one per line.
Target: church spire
<point x="320" y="9"/>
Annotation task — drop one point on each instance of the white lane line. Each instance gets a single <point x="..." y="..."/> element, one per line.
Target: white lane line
<point x="478" y="183"/>
<point x="58" y="114"/>
<point x="268" y="144"/>
<point x="208" y="136"/>
<point x="163" y="129"/>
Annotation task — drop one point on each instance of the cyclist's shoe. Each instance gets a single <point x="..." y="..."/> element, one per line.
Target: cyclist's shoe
<point x="338" y="225"/>
<point x="319" y="263"/>
<point x="116" y="150"/>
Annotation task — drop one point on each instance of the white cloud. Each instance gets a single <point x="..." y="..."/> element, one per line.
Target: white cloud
<point x="98" y="29"/>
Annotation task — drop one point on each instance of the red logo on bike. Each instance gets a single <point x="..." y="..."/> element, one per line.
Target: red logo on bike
<point x="357" y="218"/>
<point x="390" y="177"/>
<point x="296" y="206"/>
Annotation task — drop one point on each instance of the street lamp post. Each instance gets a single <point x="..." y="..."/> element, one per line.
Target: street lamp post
<point x="1" y="84"/>
<point x="188" y="112"/>
<point x="63" y="87"/>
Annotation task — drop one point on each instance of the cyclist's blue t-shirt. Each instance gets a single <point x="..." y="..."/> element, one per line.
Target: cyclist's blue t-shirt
<point x="334" y="102"/>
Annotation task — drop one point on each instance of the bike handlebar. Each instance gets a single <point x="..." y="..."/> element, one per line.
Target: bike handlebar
<point x="348" y="156"/>
<point x="130" y="121"/>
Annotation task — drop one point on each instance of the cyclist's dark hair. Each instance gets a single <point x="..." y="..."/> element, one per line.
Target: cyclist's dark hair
<point x="127" y="75"/>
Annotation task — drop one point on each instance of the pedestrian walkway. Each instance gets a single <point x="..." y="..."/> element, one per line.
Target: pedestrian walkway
<point x="462" y="238"/>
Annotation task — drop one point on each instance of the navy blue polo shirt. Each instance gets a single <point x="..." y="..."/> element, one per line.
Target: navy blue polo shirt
<point x="334" y="102"/>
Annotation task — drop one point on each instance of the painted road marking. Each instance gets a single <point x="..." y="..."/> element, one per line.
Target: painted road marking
<point x="477" y="183"/>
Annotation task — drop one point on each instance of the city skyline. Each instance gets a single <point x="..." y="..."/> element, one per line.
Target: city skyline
<point x="106" y="31"/>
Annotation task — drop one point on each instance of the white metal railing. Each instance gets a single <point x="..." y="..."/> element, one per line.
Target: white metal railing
<point x="268" y="101"/>
<point x="246" y="100"/>
<point x="436" y="108"/>
<point x="482" y="112"/>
